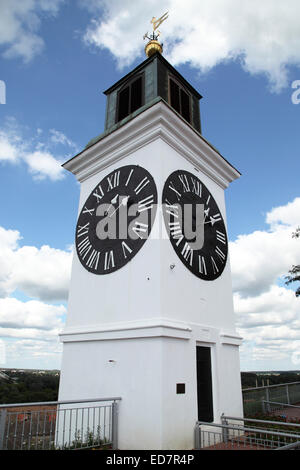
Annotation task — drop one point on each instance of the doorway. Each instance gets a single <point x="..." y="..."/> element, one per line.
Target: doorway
<point x="204" y="384"/>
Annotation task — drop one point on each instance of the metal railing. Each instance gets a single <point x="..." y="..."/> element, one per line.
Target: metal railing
<point x="60" y="425"/>
<point x="253" y="398"/>
<point x="233" y="434"/>
<point x="273" y="406"/>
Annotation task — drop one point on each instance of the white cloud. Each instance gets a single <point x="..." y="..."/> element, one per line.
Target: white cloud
<point x="278" y="306"/>
<point x="296" y="358"/>
<point x="29" y="329"/>
<point x="19" y="26"/>
<point x="43" y="165"/>
<point x="263" y="36"/>
<point x="2" y="352"/>
<point x="32" y="315"/>
<point x="8" y="150"/>
<point x="42" y="273"/>
<point x="260" y="258"/>
<point x="31" y="351"/>
<point x="268" y="314"/>
<point x="288" y="215"/>
<point x="39" y="155"/>
<point x="58" y="137"/>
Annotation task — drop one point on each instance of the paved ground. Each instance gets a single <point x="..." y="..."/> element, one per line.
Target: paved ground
<point x="234" y="446"/>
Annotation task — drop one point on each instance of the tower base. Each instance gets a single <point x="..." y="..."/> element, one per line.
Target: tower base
<point x="153" y="368"/>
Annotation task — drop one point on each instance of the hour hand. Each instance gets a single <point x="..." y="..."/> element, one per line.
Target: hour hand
<point x="112" y="202"/>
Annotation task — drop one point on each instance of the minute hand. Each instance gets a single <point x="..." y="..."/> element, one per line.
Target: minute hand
<point x="123" y="203"/>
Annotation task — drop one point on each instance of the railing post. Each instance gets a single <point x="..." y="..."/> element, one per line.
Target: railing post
<point x="287" y="394"/>
<point x="225" y="431"/>
<point x="3" y="414"/>
<point x="114" y="417"/>
<point x="197" y="436"/>
<point x="268" y="407"/>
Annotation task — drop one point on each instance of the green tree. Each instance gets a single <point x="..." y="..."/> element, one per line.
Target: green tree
<point x="294" y="273"/>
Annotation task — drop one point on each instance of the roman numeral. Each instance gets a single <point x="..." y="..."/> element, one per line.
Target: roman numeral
<point x="187" y="253"/>
<point x="125" y="248"/>
<point x="99" y="195"/>
<point x="146" y="204"/>
<point x="113" y="180"/>
<point x="109" y="261"/>
<point x="140" y="227"/>
<point x="214" y="266"/>
<point x="220" y="253"/>
<point x="128" y="179"/>
<point x="215" y="218"/>
<point x="173" y="210"/>
<point x="221" y="237"/>
<point x="185" y="183"/>
<point x="172" y="187"/>
<point x="142" y="185"/>
<point x="84" y="247"/>
<point x="175" y="231"/>
<point x="93" y="259"/>
<point x="88" y="211"/>
<point x="202" y="265"/>
<point x="83" y="230"/>
<point x="196" y="187"/>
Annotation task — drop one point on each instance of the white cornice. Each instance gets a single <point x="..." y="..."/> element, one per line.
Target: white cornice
<point x="158" y="121"/>
<point x="234" y="340"/>
<point x="125" y="330"/>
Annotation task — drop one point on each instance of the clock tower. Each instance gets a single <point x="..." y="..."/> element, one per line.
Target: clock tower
<point x="150" y="312"/>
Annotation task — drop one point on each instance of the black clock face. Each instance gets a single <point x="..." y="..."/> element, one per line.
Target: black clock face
<point x="195" y="225"/>
<point x="116" y="219"/>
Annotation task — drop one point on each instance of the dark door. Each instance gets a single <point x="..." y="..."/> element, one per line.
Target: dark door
<point x="204" y="385"/>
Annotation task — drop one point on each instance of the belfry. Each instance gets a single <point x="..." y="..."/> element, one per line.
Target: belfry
<point x="150" y="311"/>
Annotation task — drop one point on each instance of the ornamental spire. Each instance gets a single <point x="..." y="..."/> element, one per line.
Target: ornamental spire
<point x="153" y="45"/>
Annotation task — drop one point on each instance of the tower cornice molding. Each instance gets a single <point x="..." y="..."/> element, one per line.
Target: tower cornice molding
<point x="159" y="121"/>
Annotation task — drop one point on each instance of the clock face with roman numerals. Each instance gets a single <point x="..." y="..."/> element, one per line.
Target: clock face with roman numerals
<point x="116" y="219"/>
<point x="195" y="225"/>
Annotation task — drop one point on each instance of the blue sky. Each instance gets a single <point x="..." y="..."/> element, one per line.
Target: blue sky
<point x="56" y="59"/>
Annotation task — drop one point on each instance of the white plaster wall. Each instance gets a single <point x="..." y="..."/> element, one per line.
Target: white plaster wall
<point x="146" y="287"/>
<point x="130" y="293"/>
<point x="136" y="376"/>
<point x="183" y="295"/>
<point x="179" y="410"/>
<point x="230" y="400"/>
<point x="144" y="373"/>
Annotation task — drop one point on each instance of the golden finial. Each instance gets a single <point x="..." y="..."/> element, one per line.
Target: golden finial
<point x="153" y="45"/>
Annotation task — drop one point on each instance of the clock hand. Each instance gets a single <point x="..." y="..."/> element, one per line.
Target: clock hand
<point x="206" y="212"/>
<point x="113" y="201"/>
<point x="213" y="219"/>
<point x="123" y="203"/>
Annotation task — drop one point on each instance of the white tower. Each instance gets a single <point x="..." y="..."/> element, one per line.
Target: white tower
<point x="150" y="317"/>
